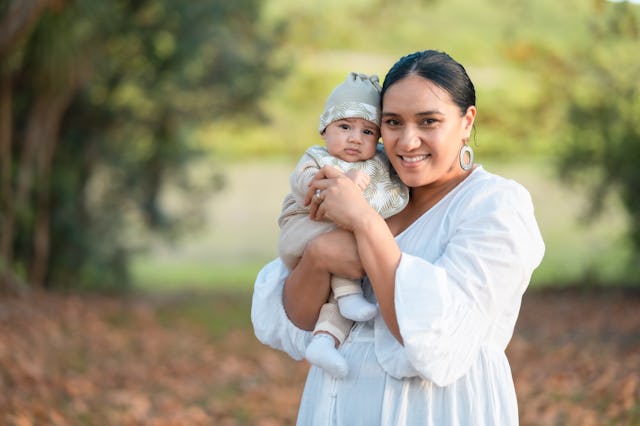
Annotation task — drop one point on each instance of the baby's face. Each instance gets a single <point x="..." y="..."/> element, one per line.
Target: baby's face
<point x="352" y="139"/>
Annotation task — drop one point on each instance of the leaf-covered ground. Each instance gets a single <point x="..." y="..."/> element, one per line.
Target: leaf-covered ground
<point x="192" y="359"/>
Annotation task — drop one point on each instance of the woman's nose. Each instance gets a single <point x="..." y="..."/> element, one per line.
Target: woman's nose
<point x="410" y="138"/>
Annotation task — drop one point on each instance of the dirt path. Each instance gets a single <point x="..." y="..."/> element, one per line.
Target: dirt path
<point x="193" y="360"/>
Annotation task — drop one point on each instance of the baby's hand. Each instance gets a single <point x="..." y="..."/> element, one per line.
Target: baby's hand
<point x="360" y="178"/>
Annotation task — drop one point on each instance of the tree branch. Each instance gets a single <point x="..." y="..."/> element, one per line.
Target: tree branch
<point x="18" y="21"/>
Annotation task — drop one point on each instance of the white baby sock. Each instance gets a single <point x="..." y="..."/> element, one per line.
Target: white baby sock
<point x="356" y="308"/>
<point x="322" y="352"/>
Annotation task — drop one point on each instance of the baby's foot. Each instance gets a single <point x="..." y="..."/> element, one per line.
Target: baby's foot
<point x="322" y="352"/>
<point x="356" y="308"/>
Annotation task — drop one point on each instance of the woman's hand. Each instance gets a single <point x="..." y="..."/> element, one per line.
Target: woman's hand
<point x="333" y="196"/>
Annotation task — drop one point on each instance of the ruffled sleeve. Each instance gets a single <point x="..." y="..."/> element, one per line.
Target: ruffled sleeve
<point x="270" y="322"/>
<point x="451" y="305"/>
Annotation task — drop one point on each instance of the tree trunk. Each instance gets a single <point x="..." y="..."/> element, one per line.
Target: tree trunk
<point x="6" y="190"/>
<point x="43" y="133"/>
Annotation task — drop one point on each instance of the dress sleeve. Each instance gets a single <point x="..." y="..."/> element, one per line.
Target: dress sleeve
<point x="270" y="322"/>
<point x="450" y="308"/>
<point x="308" y="166"/>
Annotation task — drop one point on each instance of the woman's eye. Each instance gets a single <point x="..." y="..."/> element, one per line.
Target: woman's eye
<point x="392" y="122"/>
<point x="429" y="121"/>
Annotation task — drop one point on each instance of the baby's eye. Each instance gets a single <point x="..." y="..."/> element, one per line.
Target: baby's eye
<point x="344" y="126"/>
<point x="367" y="132"/>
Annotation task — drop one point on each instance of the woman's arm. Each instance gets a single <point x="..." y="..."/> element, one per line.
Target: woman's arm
<point x="380" y="257"/>
<point x="342" y="203"/>
<point x="308" y="285"/>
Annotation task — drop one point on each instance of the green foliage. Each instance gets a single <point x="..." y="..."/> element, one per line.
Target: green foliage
<point x="140" y="76"/>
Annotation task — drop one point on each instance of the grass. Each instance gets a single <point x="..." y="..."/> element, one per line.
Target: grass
<point x="163" y="275"/>
<point x="241" y="232"/>
<point x="217" y="313"/>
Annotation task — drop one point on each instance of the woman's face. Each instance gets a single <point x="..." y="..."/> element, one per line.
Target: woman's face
<point x="423" y="131"/>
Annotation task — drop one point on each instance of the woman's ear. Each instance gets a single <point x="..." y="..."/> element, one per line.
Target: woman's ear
<point x="468" y="120"/>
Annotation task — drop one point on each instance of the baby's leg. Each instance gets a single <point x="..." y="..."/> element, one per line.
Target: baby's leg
<point x="350" y="299"/>
<point x="295" y="233"/>
<point x="330" y="332"/>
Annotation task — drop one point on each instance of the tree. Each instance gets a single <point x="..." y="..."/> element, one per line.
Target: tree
<point x="602" y="149"/>
<point x="590" y="92"/>
<point x="97" y="103"/>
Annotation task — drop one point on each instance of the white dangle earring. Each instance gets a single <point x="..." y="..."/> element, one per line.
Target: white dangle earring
<point x="466" y="157"/>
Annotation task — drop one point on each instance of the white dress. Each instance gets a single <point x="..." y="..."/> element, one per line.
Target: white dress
<point x="464" y="267"/>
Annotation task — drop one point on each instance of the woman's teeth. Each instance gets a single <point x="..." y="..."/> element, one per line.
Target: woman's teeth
<point x="414" y="159"/>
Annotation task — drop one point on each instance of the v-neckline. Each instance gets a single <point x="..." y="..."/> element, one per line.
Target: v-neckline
<point x="438" y="203"/>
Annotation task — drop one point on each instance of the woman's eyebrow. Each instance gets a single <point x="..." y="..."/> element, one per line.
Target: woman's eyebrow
<point x="429" y="112"/>
<point x="417" y="114"/>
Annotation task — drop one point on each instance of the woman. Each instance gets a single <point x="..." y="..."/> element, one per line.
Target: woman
<point x="448" y="272"/>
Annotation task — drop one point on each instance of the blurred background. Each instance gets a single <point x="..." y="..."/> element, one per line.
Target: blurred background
<point x="148" y="143"/>
<point x="145" y="146"/>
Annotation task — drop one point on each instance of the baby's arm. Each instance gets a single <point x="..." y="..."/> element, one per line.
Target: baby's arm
<point x="360" y="178"/>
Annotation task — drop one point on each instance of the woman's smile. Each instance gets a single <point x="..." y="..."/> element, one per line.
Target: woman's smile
<point x="412" y="159"/>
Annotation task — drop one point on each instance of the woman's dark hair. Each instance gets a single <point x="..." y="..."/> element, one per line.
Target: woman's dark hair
<point x="439" y="68"/>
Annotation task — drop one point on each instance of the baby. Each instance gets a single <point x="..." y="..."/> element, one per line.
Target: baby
<point x="350" y="128"/>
